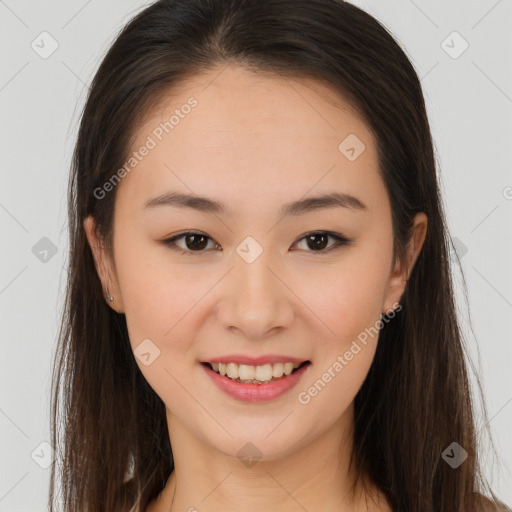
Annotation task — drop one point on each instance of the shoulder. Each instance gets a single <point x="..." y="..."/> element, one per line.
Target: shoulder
<point x="485" y="504"/>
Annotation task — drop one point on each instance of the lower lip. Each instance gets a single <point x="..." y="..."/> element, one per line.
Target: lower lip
<point x="256" y="392"/>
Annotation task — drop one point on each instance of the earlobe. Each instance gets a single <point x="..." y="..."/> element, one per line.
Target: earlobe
<point x="101" y="263"/>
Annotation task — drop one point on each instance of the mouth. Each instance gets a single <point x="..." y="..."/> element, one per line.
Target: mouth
<point x="260" y="374"/>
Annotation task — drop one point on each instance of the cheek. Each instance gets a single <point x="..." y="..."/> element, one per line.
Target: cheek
<point x="346" y="303"/>
<point x="161" y="304"/>
<point x="346" y="297"/>
<point x="332" y="385"/>
<point x="161" y="307"/>
<point x="157" y="294"/>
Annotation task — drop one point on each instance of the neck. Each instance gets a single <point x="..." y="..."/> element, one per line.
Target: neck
<point x="206" y="479"/>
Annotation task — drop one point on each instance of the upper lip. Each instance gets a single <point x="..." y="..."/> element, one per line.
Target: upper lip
<point x="255" y="361"/>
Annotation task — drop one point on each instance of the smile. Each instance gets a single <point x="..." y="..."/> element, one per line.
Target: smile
<point x="261" y="385"/>
<point x="249" y="374"/>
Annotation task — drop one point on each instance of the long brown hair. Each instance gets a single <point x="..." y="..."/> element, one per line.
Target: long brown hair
<point x="107" y="423"/>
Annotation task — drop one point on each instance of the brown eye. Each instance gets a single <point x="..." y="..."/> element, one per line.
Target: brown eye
<point x="197" y="242"/>
<point x="193" y="242"/>
<point x="318" y="241"/>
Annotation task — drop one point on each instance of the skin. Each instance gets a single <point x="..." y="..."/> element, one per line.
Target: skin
<point x="255" y="142"/>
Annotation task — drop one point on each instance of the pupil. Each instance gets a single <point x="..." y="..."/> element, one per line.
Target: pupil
<point x="197" y="246"/>
<point x="317" y="245"/>
<point x="314" y="239"/>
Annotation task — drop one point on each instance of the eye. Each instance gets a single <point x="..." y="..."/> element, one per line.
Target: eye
<point x="196" y="242"/>
<point x="318" y="241"/>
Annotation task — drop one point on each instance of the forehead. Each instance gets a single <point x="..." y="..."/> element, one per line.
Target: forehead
<point x="233" y="97"/>
<point x="255" y="131"/>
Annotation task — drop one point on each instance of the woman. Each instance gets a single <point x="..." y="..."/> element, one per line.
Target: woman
<point x="260" y="311"/>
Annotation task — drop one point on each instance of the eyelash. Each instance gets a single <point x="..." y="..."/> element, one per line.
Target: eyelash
<point x="340" y="241"/>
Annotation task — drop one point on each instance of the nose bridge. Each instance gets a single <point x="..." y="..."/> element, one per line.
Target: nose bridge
<point x="256" y="301"/>
<point x="256" y="279"/>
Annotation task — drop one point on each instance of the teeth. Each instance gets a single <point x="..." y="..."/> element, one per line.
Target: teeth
<point x="254" y="374"/>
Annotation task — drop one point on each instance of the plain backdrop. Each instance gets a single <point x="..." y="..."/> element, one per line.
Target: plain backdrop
<point x="462" y="53"/>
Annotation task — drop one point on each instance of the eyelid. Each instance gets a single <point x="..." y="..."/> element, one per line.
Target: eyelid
<point x="170" y="242"/>
<point x="340" y="239"/>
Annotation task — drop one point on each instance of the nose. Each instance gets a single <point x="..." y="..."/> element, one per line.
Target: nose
<point x="256" y="301"/>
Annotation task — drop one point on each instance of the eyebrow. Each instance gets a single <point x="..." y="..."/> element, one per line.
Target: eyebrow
<point x="299" y="207"/>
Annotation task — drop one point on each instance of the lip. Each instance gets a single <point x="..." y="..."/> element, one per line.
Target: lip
<point x="254" y="361"/>
<point x="255" y="393"/>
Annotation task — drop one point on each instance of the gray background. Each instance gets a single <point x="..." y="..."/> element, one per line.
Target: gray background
<point x="469" y="98"/>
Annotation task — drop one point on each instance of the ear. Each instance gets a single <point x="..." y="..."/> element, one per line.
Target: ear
<point x="401" y="272"/>
<point x="104" y="266"/>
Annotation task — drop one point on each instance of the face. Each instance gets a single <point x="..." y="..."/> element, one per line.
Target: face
<point x="255" y="278"/>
